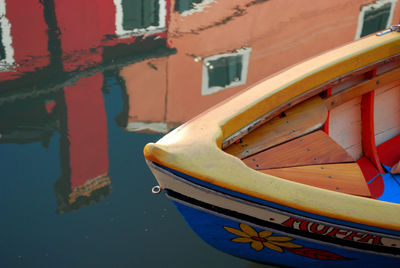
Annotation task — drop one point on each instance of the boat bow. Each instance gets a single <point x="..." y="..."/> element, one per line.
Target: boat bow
<point x="195" y="148"/>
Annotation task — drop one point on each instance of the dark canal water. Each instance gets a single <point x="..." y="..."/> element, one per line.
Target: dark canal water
<point x="84" y="85"/>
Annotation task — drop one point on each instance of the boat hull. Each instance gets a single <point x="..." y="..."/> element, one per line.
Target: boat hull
<point x="272" y="233"/>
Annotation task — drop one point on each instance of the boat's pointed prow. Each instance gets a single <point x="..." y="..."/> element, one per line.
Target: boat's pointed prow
<point x="153" y="152"/>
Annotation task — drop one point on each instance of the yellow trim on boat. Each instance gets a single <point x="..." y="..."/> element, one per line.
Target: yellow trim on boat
<point x="195" y="147"/>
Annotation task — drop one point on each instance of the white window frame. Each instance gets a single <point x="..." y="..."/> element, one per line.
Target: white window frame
<point x="120" y="32"/>
<point x="206" y="90"/>
<point x="8" y="62"/>
<point x="376" y="5"/>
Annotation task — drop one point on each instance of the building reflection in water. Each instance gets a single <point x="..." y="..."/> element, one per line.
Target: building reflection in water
<point x="77" y="112"/>
<point x="174" y="59"/>
<point x="51" y="80"/>
<point x="83" y="144"/>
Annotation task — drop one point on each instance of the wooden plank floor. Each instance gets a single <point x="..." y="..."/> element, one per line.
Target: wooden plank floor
<point x="311" y="149"/>
<point x="295" y="122"/>
<point x="345" y="178"/>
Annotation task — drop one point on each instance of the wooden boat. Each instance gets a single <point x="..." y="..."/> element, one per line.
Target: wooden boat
<point x="295" y="171"/>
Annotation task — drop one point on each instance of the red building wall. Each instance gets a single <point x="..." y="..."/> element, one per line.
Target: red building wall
<point x="29" y="38"/>
<point x="81" y="33"/>
<point x="86" y="26"/>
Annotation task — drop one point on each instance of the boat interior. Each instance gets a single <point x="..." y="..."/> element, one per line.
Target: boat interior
<point x="345" y="137"/>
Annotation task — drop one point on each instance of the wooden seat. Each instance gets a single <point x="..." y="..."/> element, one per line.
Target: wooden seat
<point x="345" y="178"/>
<point x="312" y="149"/>
<point x="295" y="122"/>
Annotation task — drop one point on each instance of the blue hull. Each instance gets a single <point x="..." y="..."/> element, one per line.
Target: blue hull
<point x="267" y="245"/>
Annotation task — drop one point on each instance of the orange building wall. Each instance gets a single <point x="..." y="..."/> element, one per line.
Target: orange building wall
<point x="278" y="40"/>
<point x="279" y="34"/>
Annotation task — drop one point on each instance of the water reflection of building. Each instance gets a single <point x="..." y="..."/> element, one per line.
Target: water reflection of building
<point x="225" y="46"/>
<point x="83" y="144"/>
<point x="52" y="55"/>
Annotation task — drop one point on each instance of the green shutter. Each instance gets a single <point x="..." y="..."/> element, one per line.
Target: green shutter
<point x="151" y="10"/>
<point x="234" y="68"/>
<point x="376" y="20"/>
<point x="224" y="71"/>
<point x="140" y="14"/>
<point x="2" y="49"/>
<point x="183" y="5"/>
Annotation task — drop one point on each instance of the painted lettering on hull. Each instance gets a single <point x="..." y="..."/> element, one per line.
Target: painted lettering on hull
<point x="322" y="229"/>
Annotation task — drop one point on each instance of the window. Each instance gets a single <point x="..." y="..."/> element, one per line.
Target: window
<point x="139" y="14"/>
<point x="184" y="5"/>
<point x="6" y="49"/>
<point x="375" y="17"/>
<point x="188" y="7"/>
<point x="225" y="71"/>
<point x="137" y="17"/>
<point x="2" y="49"/>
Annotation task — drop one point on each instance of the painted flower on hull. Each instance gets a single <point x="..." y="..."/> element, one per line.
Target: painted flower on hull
<point x="259" y="240"/>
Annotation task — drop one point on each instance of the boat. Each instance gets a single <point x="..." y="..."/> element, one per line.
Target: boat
<point x="295" y="170"/>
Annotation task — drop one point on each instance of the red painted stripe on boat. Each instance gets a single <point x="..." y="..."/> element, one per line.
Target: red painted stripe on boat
<point x="368" y="126"/>
<point x="389" y="151"/>
<point x="371" y="175"/>
<point x="325" y="127"/>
